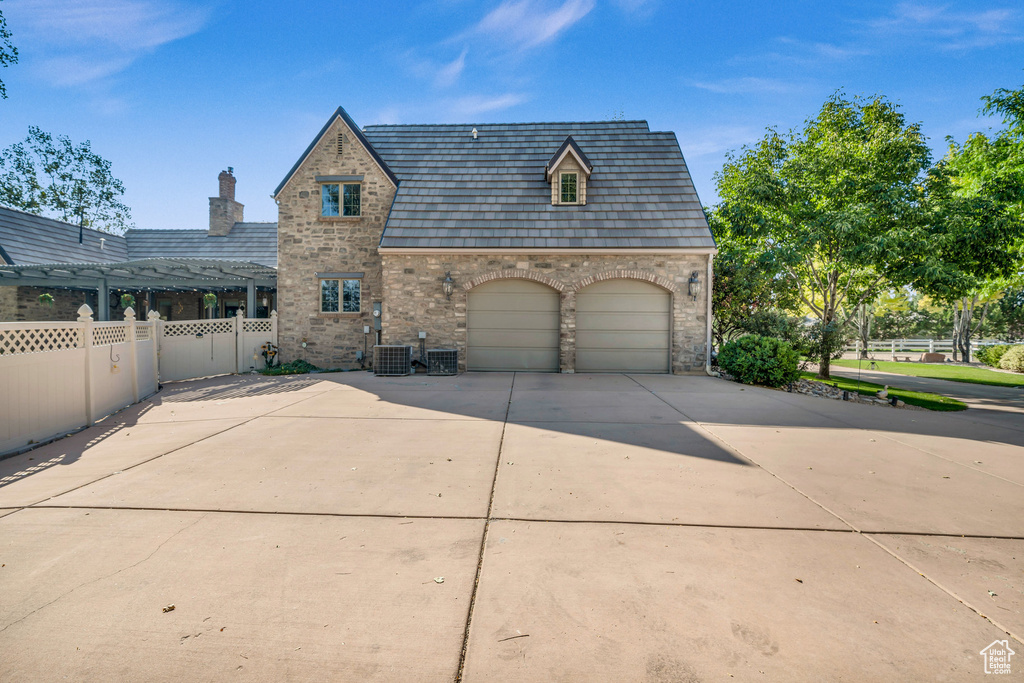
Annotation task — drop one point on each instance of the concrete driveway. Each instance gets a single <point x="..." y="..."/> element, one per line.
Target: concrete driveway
<point x="506" y="527"/>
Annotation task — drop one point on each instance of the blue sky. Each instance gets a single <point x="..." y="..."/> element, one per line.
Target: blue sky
<point x="173" y="91"/>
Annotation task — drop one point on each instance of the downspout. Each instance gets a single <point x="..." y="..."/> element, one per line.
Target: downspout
<point x="707" y="349"/>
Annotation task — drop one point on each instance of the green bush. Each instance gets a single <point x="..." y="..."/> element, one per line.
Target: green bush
<point x="990" y="355"/>
<point x="295" y="367"/>
<point x="1013" y="359"/>
<point x="754" y="359"/>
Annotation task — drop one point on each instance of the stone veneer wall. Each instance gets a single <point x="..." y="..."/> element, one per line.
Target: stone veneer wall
<point x="22" y="303"/>
<point x="309" y="243"/>
<point x="413" y="301"/>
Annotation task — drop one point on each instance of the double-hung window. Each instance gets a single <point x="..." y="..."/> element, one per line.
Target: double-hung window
<point x="339" y="295"/>
<point x="568" y="189"/>
<point x="340" y="199"/>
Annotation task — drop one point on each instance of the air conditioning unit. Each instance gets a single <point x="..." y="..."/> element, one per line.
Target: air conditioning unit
<point x="442" y="361"/>
<point x="392" y="361"/>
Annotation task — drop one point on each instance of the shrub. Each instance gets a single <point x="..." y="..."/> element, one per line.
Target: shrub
<point x="754" y="359"/>
<point x="1013" y="359"/>
<point x="990" y="355"/>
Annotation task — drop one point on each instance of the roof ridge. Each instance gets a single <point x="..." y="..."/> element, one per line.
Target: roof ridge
<point x="506" y="123"/>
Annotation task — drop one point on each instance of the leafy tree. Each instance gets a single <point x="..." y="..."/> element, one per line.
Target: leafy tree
<point x="831" y="204"/>
<point x="50" y="175"/>
<point x="974" y="217"/>
<point x="746" y="286"/>
<point x="8" y="53"/>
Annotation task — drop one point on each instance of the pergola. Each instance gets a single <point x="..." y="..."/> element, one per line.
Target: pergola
<point x="150" y="274"/>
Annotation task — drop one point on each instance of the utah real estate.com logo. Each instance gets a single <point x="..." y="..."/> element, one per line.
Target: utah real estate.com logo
<point x="997" y="657"/>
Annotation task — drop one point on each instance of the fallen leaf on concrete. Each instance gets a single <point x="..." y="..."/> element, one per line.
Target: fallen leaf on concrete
<point x="991" y="594"/>
<point x="438" y="579"/>
<point x="169" y="608"/>
<point x="799" y="580"/>
<point x="521" y="635"/>
<point x="945" y="477"/>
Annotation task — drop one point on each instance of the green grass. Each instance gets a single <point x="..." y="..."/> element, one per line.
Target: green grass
<point x="914" y="398"/>
<point x="954" y="373"/>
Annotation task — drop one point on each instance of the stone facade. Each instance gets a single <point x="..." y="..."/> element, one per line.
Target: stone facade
<point x="414" y="302"/>
<point x="309" y="243"/>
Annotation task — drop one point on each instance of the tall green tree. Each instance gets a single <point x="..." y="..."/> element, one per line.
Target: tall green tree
<point x="8" y="53"/>
<point x="49" y="175"/>
<point x="974" y="220"/>
<point x="747" y="284"/>
<point x="831" y="203"/>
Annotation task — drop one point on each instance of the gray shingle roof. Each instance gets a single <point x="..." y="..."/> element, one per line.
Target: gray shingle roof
<point x="457" y="192"/>
<point x="253" y="242"/>
<point x="26" y="239"/>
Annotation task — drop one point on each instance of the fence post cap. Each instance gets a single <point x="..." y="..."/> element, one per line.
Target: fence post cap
<point x="273" y="314"/>
<point x="129" y="313"/>
<point x="84" y="313"/>
<point x="240" y="312"/>
<point x="152" y="315"/>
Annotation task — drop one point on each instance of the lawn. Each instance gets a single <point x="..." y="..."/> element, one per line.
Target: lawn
<point x="954" y="373"/>
<point x="914" y="398"/>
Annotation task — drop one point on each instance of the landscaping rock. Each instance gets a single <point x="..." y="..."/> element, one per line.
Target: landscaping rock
<point x="933" y="357"/>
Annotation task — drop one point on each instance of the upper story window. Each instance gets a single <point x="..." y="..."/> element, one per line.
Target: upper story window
<point x="340" y="199"/>
<point x="340" y="295"/>
<point x="569" y="182"/>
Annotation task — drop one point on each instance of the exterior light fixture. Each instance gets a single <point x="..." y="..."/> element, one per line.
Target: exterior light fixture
<point x="694" y="287"/>
<point x="448" y="286"/>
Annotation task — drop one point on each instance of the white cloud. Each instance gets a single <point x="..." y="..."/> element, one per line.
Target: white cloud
<point x="464" y="108"/>
<point x="746" y="85"/>
<point x="78" y="41"/>
<point x="949" y="29"/>
<point x="528" y="23"/>
<point x="637" y="8"/>
<point x="716" y="139"/>
<point x="449" y="74"/>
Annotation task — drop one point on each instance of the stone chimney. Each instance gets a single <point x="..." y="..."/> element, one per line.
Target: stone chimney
<point x="224" y="210"/>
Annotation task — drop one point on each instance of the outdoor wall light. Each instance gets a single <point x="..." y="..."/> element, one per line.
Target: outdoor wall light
<point x="448" y="286"/>
<point x="694" y="285"/>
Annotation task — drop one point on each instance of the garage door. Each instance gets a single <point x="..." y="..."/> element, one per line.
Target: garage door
<point x="513" y="325"/>
<point x="622" y="326"/>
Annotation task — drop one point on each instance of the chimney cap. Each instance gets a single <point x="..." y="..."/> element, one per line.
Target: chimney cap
<point x="231" y="169"/>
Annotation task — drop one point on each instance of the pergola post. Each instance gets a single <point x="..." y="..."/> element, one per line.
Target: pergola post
<point x="250" y="299"/>
<point x="104" y="300"/>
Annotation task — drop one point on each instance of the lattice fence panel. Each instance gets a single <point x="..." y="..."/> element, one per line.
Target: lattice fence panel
<point x="262" y="325"/>
<point x="105" y="336"/>
<point x="143" y="332"/>
<point x="39" y="340"/>
<point x="190" y="328"/>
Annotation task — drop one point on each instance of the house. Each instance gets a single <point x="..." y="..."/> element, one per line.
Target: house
<point x="560" y="247"/>
<point x="168" y="271"/>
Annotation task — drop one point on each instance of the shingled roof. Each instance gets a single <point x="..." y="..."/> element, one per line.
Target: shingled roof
<point x="458" y="192"/>
<point x="252" y="242"/>
<point x="27" y="239"/>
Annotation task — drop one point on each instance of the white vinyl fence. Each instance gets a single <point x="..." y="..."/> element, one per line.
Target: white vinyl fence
<point x="912" y="346"/>
<point x="56" y="377"/>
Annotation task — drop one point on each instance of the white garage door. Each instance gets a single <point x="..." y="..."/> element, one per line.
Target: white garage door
<point x="513" y="325"/>
<point x="623" y="326"/>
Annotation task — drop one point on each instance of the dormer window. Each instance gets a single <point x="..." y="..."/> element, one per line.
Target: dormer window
<point x="568" y="171"/>
<point x="569" y="182"/>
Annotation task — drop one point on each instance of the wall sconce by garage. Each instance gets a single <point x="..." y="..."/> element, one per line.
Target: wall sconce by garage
<point x="694" y="287"/>
<point x="448" y="286"/>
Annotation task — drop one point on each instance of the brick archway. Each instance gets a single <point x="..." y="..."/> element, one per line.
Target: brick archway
<point x="514" y="274"/>
<point x="662" y="282"/>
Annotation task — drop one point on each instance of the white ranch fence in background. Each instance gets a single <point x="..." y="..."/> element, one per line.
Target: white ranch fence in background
<point x="910" y="346"/>
<point x="56" y="377"/>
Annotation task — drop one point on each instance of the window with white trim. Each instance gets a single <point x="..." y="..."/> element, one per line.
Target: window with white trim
<point x="569" y="187"/>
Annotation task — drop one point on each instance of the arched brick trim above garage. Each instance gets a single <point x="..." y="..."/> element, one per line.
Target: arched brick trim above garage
<point x="517" y="274"/>
<point x="662" y="282"/>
